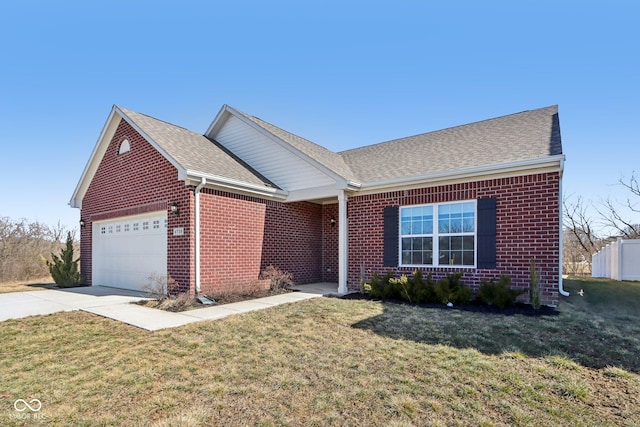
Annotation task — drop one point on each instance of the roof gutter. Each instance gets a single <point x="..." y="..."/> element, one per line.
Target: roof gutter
<point x="196" y="192"/>
<point x="510" y="167"/>
<point x="235" y="185"/>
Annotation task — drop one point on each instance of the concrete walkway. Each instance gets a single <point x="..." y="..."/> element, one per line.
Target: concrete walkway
<point x="116" y="304"/>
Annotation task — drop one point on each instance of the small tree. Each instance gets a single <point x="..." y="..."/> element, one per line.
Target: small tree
<point x="63" y="268"/>
<point x="534" y="285"/>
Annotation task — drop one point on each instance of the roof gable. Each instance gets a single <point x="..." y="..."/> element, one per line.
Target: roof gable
<point x="284" y="145"/>
<point x="193" y="155"/>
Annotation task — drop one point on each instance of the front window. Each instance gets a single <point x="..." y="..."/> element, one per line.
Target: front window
<point x="438" y="234"/>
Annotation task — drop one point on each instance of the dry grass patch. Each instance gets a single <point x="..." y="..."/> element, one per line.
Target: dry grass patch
<point x="27" y="285"/>
<point x="318" y="362"/>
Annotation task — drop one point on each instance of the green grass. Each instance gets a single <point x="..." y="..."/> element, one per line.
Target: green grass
<point x="335" y="362"/>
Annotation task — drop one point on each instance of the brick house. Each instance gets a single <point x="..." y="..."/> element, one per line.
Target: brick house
<point x="212" y="211"/>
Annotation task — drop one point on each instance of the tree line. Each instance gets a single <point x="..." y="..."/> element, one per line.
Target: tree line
<point x="585" y="233"/>
<point x="24" y="247"/>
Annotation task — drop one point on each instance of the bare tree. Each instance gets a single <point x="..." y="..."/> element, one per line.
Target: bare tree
<point x="581" y="226"/>
<point x="23" y="247"/>
<point x="619" y="216"/>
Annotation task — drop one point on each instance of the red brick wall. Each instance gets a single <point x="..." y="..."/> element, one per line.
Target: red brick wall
<point x="231" y="231"/>
<point x="330" y="243"/>
<point x="242" y="235"/>
<point x="527" y="228"/>
<point x="136" y="182"/>
<point x="293" y="240"/>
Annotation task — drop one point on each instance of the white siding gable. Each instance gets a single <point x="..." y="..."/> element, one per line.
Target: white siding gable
<point x="276" y="163"/>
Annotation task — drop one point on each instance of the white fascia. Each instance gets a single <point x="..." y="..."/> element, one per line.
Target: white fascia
<point x="108" y="130"/>
<point x="501" y="168"/>
<point x="233" y="185"/>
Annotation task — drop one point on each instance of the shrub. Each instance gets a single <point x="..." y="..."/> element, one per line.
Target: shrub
<point x="498" y="294"/>
<point x="380" y="287"/>
<point x="534" y="286"/>
<point x="160" y="286"/>
<point x="423" y="289"/>
<point x="279" y="279"/>
<point x="63" y="268"/>
<point x="419" y="289"/>
<point x="402" y="287"/>
<point x="451" y="289"/>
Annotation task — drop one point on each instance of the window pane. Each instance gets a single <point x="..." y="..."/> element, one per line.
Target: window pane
<point x="406" y="227"/>
<point x="417" y="250"/>
<point x="416" y="214"/>
<point x="406" y="243"/>
<point x="444" y="243"/>
<point x="445" y="257"/>
<point x="467" y="258"/>
<point x="468" y="243"/>
<point x="455" y="226"/>
<point x="456" y="242"/>
<point x="468" y="225"/>
<point x="416" y="258"/>
<point x="416" y="227"/>
<point x="416" y="243"/>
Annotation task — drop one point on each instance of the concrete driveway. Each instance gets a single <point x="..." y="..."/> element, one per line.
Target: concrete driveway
<point x="116" y="304"/>
<point x="22" y="304"/>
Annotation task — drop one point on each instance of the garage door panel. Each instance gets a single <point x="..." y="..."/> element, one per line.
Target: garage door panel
<point x="126" y="251"/>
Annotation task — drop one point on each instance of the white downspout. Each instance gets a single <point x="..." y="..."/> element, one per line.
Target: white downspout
<point x="560" y="288"/>
<point x="197" y="232"/>
<point x="343" y="242"/>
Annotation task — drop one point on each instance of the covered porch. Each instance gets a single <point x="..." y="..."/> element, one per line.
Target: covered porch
<point x="320" y="288"/>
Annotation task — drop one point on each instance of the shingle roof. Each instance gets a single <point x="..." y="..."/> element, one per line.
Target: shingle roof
<point x="194" y="152"/>
<point x="527" y="135"/>
<point x="329" y="159"/>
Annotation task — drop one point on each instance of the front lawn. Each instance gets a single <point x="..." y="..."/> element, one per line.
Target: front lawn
<point x="27" y="285"/>
<point x="335" y="362"/>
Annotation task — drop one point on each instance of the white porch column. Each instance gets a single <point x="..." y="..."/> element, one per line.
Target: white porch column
<point x="343" y="243"/>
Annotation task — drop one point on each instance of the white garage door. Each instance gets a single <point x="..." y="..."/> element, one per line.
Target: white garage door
<point x="126" y="251"/>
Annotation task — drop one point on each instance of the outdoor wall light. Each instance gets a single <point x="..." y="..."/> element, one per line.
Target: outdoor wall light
<point x="82" y="223"/>
<point x="174" y="208"/>
<point x="332" y="221"/>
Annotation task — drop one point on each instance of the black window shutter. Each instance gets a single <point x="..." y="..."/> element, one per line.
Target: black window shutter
<point x="487" y="233"/>
<point x="391" y="230"/>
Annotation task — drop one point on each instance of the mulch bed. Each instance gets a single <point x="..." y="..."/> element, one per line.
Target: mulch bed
<point x="474" y="306"/>
<point x="192" y="303"/>
<point x="231" y="298"/>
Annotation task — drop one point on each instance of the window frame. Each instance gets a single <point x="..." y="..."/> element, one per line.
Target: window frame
<point x="436" y="234"/>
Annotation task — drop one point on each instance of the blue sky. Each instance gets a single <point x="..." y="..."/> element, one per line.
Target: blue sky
<point x="340" y="73"/>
